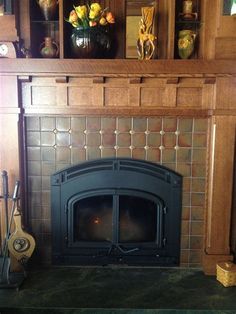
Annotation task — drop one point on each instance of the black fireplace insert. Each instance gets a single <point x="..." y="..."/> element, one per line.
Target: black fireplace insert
<point x="116" y="211"/>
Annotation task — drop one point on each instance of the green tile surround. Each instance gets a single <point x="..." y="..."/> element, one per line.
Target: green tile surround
<point x="180" y="144"/>
<point x="119" y="290"/>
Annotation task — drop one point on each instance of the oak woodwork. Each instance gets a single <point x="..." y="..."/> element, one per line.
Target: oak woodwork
<point x="117" y="68"/>
<point x="182" y="88"/>
<point x="220" y="182"/>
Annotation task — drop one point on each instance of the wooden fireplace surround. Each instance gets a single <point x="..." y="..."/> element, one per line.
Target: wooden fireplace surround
<point x="192" y="88"/>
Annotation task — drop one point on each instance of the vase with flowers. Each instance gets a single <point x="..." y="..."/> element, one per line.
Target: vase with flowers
<point x="91" y="36"/>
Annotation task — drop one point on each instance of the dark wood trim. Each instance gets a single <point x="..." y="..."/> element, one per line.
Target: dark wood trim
<point x="117" y="67"/>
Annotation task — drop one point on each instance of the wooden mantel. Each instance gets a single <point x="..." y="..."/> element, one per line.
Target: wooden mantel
<point x="117" y="67"/>
<point x="213" y="82"/>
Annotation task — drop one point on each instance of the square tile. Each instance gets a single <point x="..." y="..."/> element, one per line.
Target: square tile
<point x="153" y="154"/>
<point x="108" y="124"/>
<point x="199" y="155"/>
<point x="154" y="124"/>
<point x="197" y="213"/>
<point x="169" y="140"/>
<point x="48" y="168"/>
<point x="139" y="139"/>
<point x="139" y="153"/>
<point x="33" y="123"/>
<point x="198" y="185"/>
<point x="77" y="139"/>
<point x="139" y="124"/>
<point x="197" y="228"/>
<point x="108" y="139"/>
<point x="185" y="140"/>
<point x="62" y="124"/>
<point x="48" y="123"/>
<point x="33" y="138"/>
<point x="93" y="139"/>
<point x="198" y="199"/>
<point x="154" y="140"/>
<point x="108" y="152"/>
<point x="93" y="124"/>
<point x="93" y="153"/>
<point x="168" y="155"/>
<point x="184" y="155"/>
<point x="48" y="139"/>
<point x="199" y="170"/>
<point x="199" y="140"/>
<point x="78" y="124"/>
<point x="184" y="169"/>
<point x="63" y="154"/>
<point x="124" y="140"/>
<point x="123" y="152"/>
<point x="185" y="125"/>
<point x="34" y="168"/>
<point x="200" y="125"/>
<point x="124" y="124"/>
<point x="196" y="242"/>
<point x="33" y="153"/>
<point x="48" y="154"/>
<point x="77" y="155"/>
<point x="169" y="124"/>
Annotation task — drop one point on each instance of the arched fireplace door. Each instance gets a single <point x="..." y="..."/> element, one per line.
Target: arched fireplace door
<point x="116" y="211"/>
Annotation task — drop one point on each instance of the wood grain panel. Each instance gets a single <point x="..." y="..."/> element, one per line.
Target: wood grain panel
<point x="151" y="96"/>
<point x="79" y="96"/>
<point x="189" y="97"/>
<point x="225" y="48"/>
<point x="44" y="95"/>
<point x="226" y="93"/>
<point x="116" y="96"/>
<point x="8" y="91"/>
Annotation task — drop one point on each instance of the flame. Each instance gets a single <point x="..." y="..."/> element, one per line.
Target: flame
<point x="97" y="221"/>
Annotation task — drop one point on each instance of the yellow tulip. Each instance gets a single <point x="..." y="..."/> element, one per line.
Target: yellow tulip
<point x="103" y="21"/>
<point x="81" y="11"/>
<point x="95" y="11"/>
<point x="95" y="7"/>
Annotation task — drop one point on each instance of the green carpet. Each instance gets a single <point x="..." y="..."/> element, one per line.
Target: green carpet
<point x="118" y="290"/>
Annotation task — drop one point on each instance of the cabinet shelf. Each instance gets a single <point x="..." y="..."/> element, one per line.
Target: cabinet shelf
<point x="167" y="28"/>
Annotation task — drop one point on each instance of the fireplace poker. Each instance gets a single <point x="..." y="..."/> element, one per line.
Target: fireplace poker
<point x="5" y="265"/>
<point x="5" y="196"/>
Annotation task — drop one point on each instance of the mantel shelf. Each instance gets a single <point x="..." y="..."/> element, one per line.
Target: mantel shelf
<point x="117" y="67"/>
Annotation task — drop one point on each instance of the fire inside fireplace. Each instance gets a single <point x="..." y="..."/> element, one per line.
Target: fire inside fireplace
<point x="116" y="211"/>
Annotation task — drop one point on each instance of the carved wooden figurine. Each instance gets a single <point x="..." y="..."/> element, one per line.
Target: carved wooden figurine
<point x="145" y="43"/>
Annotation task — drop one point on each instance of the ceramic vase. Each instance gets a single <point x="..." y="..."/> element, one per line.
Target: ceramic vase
<point x="48" y="8"/>
<point x="186" y="43"/>
<point x="49" y="48"/>
<point x="93" y="42"/>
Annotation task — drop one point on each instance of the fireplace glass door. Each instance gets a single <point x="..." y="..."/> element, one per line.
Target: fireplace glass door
<point x="118" y="218"/>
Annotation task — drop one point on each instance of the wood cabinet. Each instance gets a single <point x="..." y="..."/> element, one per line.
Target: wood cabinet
<point x="168" y="22"/>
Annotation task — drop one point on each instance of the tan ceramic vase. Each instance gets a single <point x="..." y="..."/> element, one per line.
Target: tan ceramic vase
<point x="49" y="48"/>
<point x="48" y="8"/>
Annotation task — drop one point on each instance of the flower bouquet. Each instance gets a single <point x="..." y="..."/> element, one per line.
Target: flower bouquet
<point x="91" y="31"/>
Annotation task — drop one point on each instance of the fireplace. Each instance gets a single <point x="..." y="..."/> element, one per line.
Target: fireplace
<point x="116" y="211"/>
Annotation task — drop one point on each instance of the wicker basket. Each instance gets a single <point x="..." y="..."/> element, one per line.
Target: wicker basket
<point x="226" y="273"/>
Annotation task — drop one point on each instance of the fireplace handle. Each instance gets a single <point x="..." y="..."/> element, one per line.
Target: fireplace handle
<point x="117" y="246"/>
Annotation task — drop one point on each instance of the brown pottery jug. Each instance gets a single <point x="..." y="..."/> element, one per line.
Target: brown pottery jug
<point x="49" y="48"/>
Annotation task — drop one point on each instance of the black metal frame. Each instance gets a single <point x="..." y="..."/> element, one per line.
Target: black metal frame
<point x="117" y="176"/>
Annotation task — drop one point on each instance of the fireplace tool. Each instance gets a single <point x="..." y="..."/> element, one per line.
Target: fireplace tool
<point x="19" y="243"/>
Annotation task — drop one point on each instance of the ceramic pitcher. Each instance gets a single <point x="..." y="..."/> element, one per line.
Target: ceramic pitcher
<point x="186" y="43"/>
